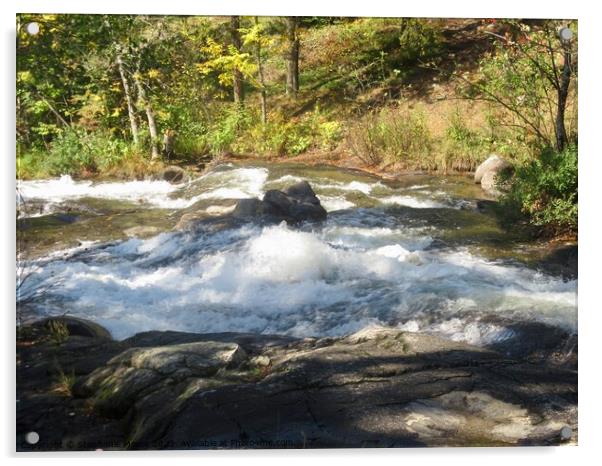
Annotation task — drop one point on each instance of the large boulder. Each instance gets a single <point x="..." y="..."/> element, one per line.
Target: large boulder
<point x="494" y="163"/>
<point x="297" y="203"/>
<point x="248" y="208"/>
<point x="488" y="173"/>
<point x="173" y="174"/>
<point x="76" y="327"/>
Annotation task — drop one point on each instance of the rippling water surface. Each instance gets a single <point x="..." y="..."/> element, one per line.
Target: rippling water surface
<point x="414" y="253"/>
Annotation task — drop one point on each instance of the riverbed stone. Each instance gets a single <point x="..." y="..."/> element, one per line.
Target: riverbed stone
<point x="173" y="174"/>
<point x="493" y="164"/>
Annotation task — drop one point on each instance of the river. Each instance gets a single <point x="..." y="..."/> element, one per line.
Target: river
<point x="415" y="253"/>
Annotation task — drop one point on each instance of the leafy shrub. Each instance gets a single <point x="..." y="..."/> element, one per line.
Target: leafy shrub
<point x="190" y="126"/>
<point x="277" y="137"/>
<point x="29" y="164"/>
<point x="223" y="134"/>
<point x="419" y="39"/>
<point x="545" y="191"/>
<point x="283" y="135"/>
<point x="77" y="151"/>
<point x="330" y="133"/>
<point x="69" y="154"/>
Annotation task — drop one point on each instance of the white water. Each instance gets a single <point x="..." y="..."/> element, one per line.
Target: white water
<point x="363" y="266"/>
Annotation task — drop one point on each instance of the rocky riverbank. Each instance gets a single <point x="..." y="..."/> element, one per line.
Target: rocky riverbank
<point x="380" y="387"/>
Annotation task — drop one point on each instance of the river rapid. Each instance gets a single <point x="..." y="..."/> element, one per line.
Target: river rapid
<point x="415" y="253"/>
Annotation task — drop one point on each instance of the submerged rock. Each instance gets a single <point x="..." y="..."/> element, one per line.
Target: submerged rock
<point x="173" y="174"/>
<point x="297" y="203"/>
<point x="379" y="387"/>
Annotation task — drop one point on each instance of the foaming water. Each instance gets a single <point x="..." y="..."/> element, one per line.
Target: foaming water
<point x="65" y="188"/>
<point x="232" y="184"/>
<point x="279" y="280"/>
<point x="365" y="265"/>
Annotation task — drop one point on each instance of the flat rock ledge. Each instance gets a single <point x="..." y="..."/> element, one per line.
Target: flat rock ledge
<point x="380" y="387"/>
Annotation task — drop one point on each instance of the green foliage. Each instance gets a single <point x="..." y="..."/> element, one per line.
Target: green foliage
<point x="464" y="148"/>
<point x="419" y="40"/>
<point x="521" y="77"/>
<point x="30" y="163"/>
<point x="283" y="136"/>
<point x="227" y="127"/>
<point x="77" y="151"/>
<point x="392" y="135"/>
<point x="545" y="191"/>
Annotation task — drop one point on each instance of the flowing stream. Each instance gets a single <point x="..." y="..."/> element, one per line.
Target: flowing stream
<point x="414" y="253"/>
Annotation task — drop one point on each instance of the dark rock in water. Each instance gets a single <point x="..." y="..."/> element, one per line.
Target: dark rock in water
<point x="380" y="387"/>
<point x="248" y="208"/>
<point x="302" y="192"/>
<point x="173" y="174"/>
<point x="539" y="343"/>
<point x="297" y="203"/>
<point x="563" y="261"/>
<point x="485" y="206"/>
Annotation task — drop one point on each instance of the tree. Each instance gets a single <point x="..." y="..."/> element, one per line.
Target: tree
<point x="128" y="96"/>
<point x="150" y="115"/>
<point x="256" y="37"/>
<point x="292" y="55"/>
<point x="529" y="77"/>
<point x="237" y="75"/>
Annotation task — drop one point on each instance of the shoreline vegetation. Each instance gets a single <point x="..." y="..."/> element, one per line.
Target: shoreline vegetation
<point x="388" y="96"/>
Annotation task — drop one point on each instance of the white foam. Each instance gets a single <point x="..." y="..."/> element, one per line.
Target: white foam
<point x="280" y="280"/>
<point x="332" y="203"/>
<point x="412" y="201"/>
<point x="359" y="186"/>
<point x="65" y="188"/>
<point x="235" y="183"/>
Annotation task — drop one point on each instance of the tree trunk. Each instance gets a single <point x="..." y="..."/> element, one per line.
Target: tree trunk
<point x="152" y="126"/>
<point x="292" y="57"/>
<point x="129" y="100"/>
<point x="264" y="104"/>
<point x="237" y="78"/>
<point x="563" y="92"/>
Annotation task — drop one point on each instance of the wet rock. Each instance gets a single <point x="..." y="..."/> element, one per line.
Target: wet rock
<point x="141" y="231"/>
<point x="563" y="261"/>
<point x="248" y="208"/>
<point x="380" y="387"/>
<point x="297" y="203"/>
<point x="173" y="174"/>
